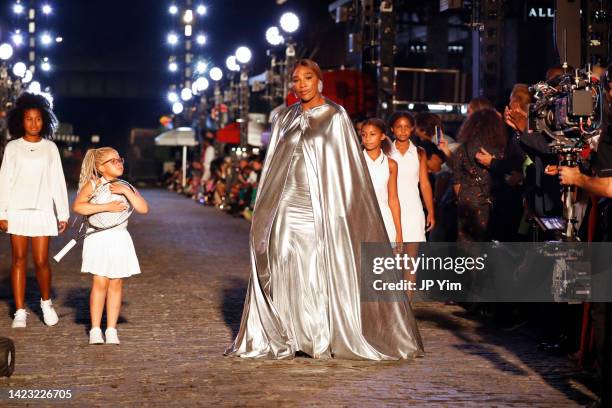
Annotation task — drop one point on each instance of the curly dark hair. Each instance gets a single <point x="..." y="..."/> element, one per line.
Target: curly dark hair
<point x="400" y="114"/>
<point x="484" y="128"/>
<point x="27" y="101"/>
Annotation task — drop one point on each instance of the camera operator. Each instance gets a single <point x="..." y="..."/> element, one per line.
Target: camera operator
<point x="601" y="185"/>
<point x="543" y="192"/>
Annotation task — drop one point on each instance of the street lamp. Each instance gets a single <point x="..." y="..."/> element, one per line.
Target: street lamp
<point x="201" y="67"/>
<point x="34" y="87"/>
<point x="46" y="39"/>
<point x="18" y="8"/>
<point x="173" y="9"/>
<point x="243" y="55"/>
<point x="19" y="69"/>
<point x="45" y="65"/>
<point x="172" y="39"/>
<point x="216" y="74"/>
<point x="231" y="63"/>
<point x="17" y="38"/>
<point x="200" y="85"/>
<point x="46" y="9"/>
<point x="6" y="51"/>
<point x="172" y="66"/>
<point x="186" y="94"/>
<point x="177" y="108"/>
<point x="27" y="77"/>
<point x="289" y="22"/>
<point x="201" y="39"/>
<point x="274" y="37"/>
<point x="172" y="97"/>
<point x="201" y="9"/>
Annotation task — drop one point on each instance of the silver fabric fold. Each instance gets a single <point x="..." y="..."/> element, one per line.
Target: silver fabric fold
<point x="315" y="206"/>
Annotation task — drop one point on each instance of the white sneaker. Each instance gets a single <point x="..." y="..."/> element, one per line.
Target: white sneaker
<point x="111" y="336"/>
<point x="95" y="336"/>
<point x="20" y="319"/>
<point x="49" y="315"/>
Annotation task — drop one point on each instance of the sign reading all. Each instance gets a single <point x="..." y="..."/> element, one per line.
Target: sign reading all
<point x="542" y="12"/>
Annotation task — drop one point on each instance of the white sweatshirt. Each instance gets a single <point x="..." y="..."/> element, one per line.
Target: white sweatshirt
<point x="31" y="177"/>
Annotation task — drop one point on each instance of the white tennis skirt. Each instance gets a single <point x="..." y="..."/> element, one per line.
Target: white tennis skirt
<point x="110" y="253"/>
<point x="32" y="223"/>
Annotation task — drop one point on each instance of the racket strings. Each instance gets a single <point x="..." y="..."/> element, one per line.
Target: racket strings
<point x="106" y="219"/>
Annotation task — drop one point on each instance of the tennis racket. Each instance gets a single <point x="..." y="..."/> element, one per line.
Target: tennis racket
<point x="101" y="221"/>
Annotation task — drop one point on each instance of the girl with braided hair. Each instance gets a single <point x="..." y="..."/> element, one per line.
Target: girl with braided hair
<point x="108" y="255"/>
<point x="31" y="184"/>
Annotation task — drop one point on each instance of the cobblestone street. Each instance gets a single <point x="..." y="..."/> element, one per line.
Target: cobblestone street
<point x="183" y="310"/>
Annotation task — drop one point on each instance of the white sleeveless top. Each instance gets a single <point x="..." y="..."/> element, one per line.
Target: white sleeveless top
<point x="379" y="173"/>
<point x="413" y="217"/>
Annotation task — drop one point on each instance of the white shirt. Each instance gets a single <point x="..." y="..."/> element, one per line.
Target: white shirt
<point x="31" y="177"/>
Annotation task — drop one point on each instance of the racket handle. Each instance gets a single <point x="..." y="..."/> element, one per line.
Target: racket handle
<point x="64" y="250"/>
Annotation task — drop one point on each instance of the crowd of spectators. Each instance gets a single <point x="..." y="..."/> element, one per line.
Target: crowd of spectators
<point x="227" y="179"/>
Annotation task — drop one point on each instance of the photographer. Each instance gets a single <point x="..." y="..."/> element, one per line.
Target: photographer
<point x="601" y="185"/>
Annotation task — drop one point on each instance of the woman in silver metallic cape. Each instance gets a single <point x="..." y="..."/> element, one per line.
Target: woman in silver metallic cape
<point x="314" y="208"/>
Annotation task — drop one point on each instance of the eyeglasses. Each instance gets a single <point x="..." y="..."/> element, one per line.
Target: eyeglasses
<point x="115" y="161"/>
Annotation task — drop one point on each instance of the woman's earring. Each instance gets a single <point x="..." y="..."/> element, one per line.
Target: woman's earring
<point x="320" y="86"/>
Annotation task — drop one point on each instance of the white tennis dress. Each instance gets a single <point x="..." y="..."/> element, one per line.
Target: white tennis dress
<point x="379" y="173"/>
<point x="110" y="253"/>
<point x="413" y="217"/>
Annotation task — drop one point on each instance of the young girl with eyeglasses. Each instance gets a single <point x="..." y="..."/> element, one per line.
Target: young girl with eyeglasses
<point x="108" y="255"/>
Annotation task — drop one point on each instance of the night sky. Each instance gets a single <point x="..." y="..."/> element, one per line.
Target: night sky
<point x="126" y="40"/>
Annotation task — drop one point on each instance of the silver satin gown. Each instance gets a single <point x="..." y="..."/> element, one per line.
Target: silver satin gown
<point x="315" y="206"/>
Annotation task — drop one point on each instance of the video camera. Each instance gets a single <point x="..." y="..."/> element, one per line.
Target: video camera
<point x="569" y="110"/>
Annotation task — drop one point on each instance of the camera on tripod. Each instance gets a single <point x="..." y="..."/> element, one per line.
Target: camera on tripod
<point x="568" y="109"/>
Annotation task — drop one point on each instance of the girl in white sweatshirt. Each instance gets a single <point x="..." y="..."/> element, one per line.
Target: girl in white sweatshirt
<point x="31" y="184"/>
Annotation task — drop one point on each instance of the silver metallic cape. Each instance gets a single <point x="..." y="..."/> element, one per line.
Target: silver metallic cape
<point x="311" y="303"/>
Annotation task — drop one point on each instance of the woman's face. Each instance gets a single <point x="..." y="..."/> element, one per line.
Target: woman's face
<point x="32" y="122"/>
<point x="305" y="83"/>
<point x="112" y="165"/>
<point x="371" y="137"/>
<point x="402" y="129"/>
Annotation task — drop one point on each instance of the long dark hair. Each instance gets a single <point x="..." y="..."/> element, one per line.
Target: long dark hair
<point x="380" y="125"/>
<point x="484" y="128"/>
<point x="26" y="102"/>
